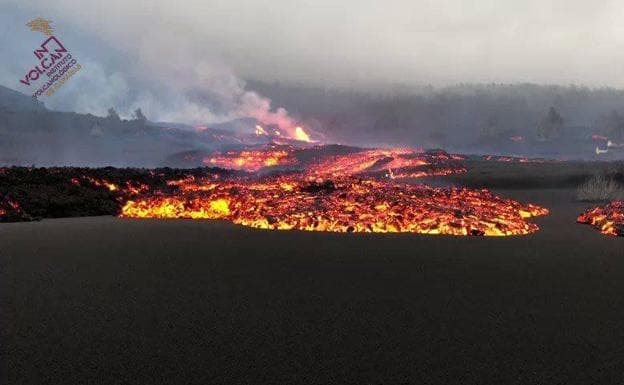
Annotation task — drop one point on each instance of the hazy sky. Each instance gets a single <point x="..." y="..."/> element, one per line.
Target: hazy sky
<point x="436" y="41"/>
<point x="199" y="50"/>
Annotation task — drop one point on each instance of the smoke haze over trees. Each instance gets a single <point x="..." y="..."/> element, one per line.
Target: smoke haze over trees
<point x="200" y="61"/>
<point x="471" y="117"/>
<point x="529" y="120"/>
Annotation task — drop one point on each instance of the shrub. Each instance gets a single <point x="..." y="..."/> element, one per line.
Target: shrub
<point x="599" y="188"/>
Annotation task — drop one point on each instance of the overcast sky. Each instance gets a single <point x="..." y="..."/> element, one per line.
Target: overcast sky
<point x="211" y="45"/>
<point x="436" y="41"/>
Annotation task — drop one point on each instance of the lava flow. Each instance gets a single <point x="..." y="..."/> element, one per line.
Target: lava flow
<point x="343" y="205"/>
<point x="314" y="161"/>
<point x="353" y="192"/>
<point x="608" y="219"/>
<point x="393" y="163"/>
<point x="328" y="188"/>
<point x="252" y="160"/>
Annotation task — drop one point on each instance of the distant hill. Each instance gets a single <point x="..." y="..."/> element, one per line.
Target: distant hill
<point x="31" y="134"/>
<point x="486" y="119"/>
<point x="11" y="100"/>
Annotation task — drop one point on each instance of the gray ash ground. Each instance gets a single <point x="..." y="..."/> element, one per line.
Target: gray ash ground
<point x="111" y="300"/>
<point x="103" y="299"/>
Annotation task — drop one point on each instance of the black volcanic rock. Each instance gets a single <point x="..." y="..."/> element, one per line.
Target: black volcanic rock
<point x="33" y="193"/>
<point x="319" y="187"/>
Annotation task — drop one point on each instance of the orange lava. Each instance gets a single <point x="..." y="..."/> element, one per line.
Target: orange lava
<point x="130" y="188"/>
<point x="392" y="163"/>
<point x="608" y="219"/>
<point x="395" y="163"/>
<point x="346" y="204"/>
<point x="301" y="135"/>
<point x="251" y="160"/>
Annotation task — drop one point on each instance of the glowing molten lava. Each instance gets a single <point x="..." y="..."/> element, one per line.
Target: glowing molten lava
<point x="608" y="219"/>
<point x="391" y="163"/>
<point x="342" y="193"/>
<point x="260" y="131"/>
<point x="252" y="160"/>
<point x="329" y="188"/>
<point x="301" y="135"/>
<point x="344" y="205"/>
<point x="394" y="163"/>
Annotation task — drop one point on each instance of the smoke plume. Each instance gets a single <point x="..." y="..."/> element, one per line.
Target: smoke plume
<point x="137" y="60"/>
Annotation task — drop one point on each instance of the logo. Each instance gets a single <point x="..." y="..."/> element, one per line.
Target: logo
<point x="41" y="25"/>
<point x="55" y="64"/>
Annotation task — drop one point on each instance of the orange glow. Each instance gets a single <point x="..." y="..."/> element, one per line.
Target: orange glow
<point x="608" y="219"/>
<point x="260" y="131"/>
<point x="344" y="205"/>
<point x="301" y="135"/>
<point x="354" y="192"/>
<point x="395" y="163"/>
<point x="253" y="160"/>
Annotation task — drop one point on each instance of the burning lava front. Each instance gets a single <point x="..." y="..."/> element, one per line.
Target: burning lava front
<point x="253" y="160"/>
<point x="608" y="219"/>
<point x="350" y="192"/>
<point x="321" y="188"/>
<point x="345" y="204"/>
<point x="317" y="161"/>
<point x="392" y="163"/>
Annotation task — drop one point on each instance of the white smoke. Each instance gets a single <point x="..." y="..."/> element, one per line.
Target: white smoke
<point x="138" y="59"/>
<point x="93" y="90"/>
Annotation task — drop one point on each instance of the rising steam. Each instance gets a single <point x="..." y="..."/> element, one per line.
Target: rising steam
<point x="171" y="73"/>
